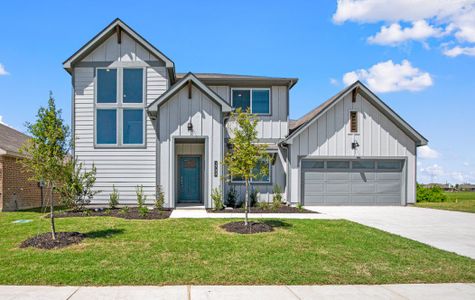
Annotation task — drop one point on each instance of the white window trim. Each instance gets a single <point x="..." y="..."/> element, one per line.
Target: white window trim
<point x="119" y="106"/>
<point x="256" y="89"/>
<point x="260" y="181"/>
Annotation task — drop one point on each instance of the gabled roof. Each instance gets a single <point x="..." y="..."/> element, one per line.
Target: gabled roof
<point x="105" y="34"/>
<point x="230" y="79"/>
<point x="190" y="77"/>
<point x="304" y="122"/>
<point x="11" y="140"/>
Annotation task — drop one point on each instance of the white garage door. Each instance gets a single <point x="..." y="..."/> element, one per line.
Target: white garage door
<point x="352" y="182"/>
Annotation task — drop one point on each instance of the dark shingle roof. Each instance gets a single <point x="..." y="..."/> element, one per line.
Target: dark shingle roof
<point x="11" y="140"/>
<point x="217" y="78"/>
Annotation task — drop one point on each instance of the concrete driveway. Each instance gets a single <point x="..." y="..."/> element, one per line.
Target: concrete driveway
<point x="446" y="230"/>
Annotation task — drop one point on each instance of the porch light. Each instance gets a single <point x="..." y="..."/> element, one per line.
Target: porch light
<point x="190" y="126"/>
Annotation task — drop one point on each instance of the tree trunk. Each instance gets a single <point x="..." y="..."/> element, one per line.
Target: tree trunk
<point x="246" y="204"/>
<point x="53" y="228"/>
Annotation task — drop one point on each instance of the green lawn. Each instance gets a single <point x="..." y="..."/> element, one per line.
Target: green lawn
<point x="459" y="201"/>
<point x="197" y="251"/>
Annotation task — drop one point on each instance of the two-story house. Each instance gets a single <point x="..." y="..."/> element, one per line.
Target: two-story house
<point x="143" y="124"/>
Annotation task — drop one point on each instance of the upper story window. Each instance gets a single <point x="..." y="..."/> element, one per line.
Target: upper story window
<point x="260" y="178"/>
<point x="257" y="99"/>
<point x="119" y="116"/>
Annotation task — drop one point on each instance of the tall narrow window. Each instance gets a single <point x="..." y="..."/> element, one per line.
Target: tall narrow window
<point x="120" y="101"/>
<point x="353" y="122"/>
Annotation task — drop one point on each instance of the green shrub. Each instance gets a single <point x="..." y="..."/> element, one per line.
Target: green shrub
<point x="253" y="197"/>
<point x="124" y="210"/>
<point x="263" y="205"/>
<point x="140" y="196"/>
<point x="231" y="198"/>
<point x="143" y="211"/>
<point x="216" y="195"/>
<point x="160" y="198"/>
<point x="430" y="194"/>
<point x="77" y="190"/>
<point x="300" y="206"/>
<point x="113" y="198"/>
<point x="277" y="197"/>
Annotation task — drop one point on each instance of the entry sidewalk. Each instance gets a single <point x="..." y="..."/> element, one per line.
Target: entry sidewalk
<point x="354" y="292"/>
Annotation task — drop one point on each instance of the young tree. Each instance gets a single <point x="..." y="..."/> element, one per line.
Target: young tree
<point x="47" y="150"/>
<point x="245" y="153"/>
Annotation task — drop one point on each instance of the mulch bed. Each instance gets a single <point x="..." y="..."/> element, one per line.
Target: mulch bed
<point x="45" y="240"/>
<point x="284" y="209"/>
<point x="131" y="213"/>
<point x="252" y="227"/>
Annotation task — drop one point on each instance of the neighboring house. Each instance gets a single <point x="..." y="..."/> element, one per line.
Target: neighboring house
<point x="467" y="187"/>
<point x="444" y="186"/>
<point x="141" y="123"/>
<point x="16" y="191"/>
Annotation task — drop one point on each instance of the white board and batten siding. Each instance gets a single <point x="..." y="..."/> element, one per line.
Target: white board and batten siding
<point x="206" y="117"/>
<point x="122" y="167"/>
<point x="330" y="136"/>
<point x="273" y="126"/>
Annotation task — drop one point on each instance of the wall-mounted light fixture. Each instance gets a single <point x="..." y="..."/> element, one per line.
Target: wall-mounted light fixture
<point x="354" y="145"/>
<point x="190" y="126"/>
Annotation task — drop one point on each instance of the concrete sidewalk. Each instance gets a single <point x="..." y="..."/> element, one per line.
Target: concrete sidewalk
<point x="202" y="214"/>
<point x="354" y="292"/>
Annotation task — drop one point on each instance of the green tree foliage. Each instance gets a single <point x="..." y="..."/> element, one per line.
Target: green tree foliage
<point x="47" y="150"/>
<point x="430" y="194"/>
<point x="245" y="152"/>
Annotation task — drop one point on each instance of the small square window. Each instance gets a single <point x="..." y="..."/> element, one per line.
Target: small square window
<point x="242" y="99"/>
<point x="312" y="164"/>
<point x="260" y="101"/>
<point x="338" y="164"/>
<point x="363" y="164"/>
<point x="389" y="165"/>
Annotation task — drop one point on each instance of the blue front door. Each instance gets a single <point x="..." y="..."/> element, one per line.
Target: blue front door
<point x="189" y="179"/>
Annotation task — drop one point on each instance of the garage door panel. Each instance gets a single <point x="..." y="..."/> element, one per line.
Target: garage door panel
<point x="363" y="176"/>
<point x="337" y="199"/>
<point x="309" y="175"/>
<point x="362" y="188"/>
<point x="338" y="176"/>
<point x="331" y="186"/>
<point x="388" y="176"/>
<point x="389" y="187"/>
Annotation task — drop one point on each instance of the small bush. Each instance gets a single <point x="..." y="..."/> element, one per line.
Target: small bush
<point x="107" y="211"/>
<point x="277" y="197"/>
<point x="140" y="196"/>
<point x="113" y="198"/>
<point x="232" y="196"/>
<point x="160" y="198"/>
<point x="216" y="196"/>
<point x="263" y="205"/>
<point x="253" y="197"/>
<point x="143" y="211"/>
<point x="124" y="210"/>
<point x="300" y="206"/>
<point x="430" y="194"/>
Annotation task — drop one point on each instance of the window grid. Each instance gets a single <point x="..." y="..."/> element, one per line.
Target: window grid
<point x="120" y="106"/>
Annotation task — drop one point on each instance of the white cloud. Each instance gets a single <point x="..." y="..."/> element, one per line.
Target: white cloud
<point x="3" y="71"/>
<point x="1" y="121"/>
<point x="427" y="152"/>
<point x="457" y="50"/>
<point x="430" y="18"/>
<point x="334" y="82"/>
<point x="387" y="76"/>
<point x="394" y="34"/>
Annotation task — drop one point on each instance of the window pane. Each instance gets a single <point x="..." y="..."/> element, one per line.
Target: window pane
<point x="106" y="130"/>
<point x="258" y="169"/>
<point x="242" y="99"/>
<point x="260" y="101"/>
<point x="133" y="126"/>
<point x="106" y="86"/>
<point x="312" y="164"/>
<point x="133" y="86"/>
<point x="389" y="165"/>
<point x="363" y="164"/>
<point x="338" y="164"/>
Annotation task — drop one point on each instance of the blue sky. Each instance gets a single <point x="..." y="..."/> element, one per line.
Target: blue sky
<point x="420" y="59"/>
